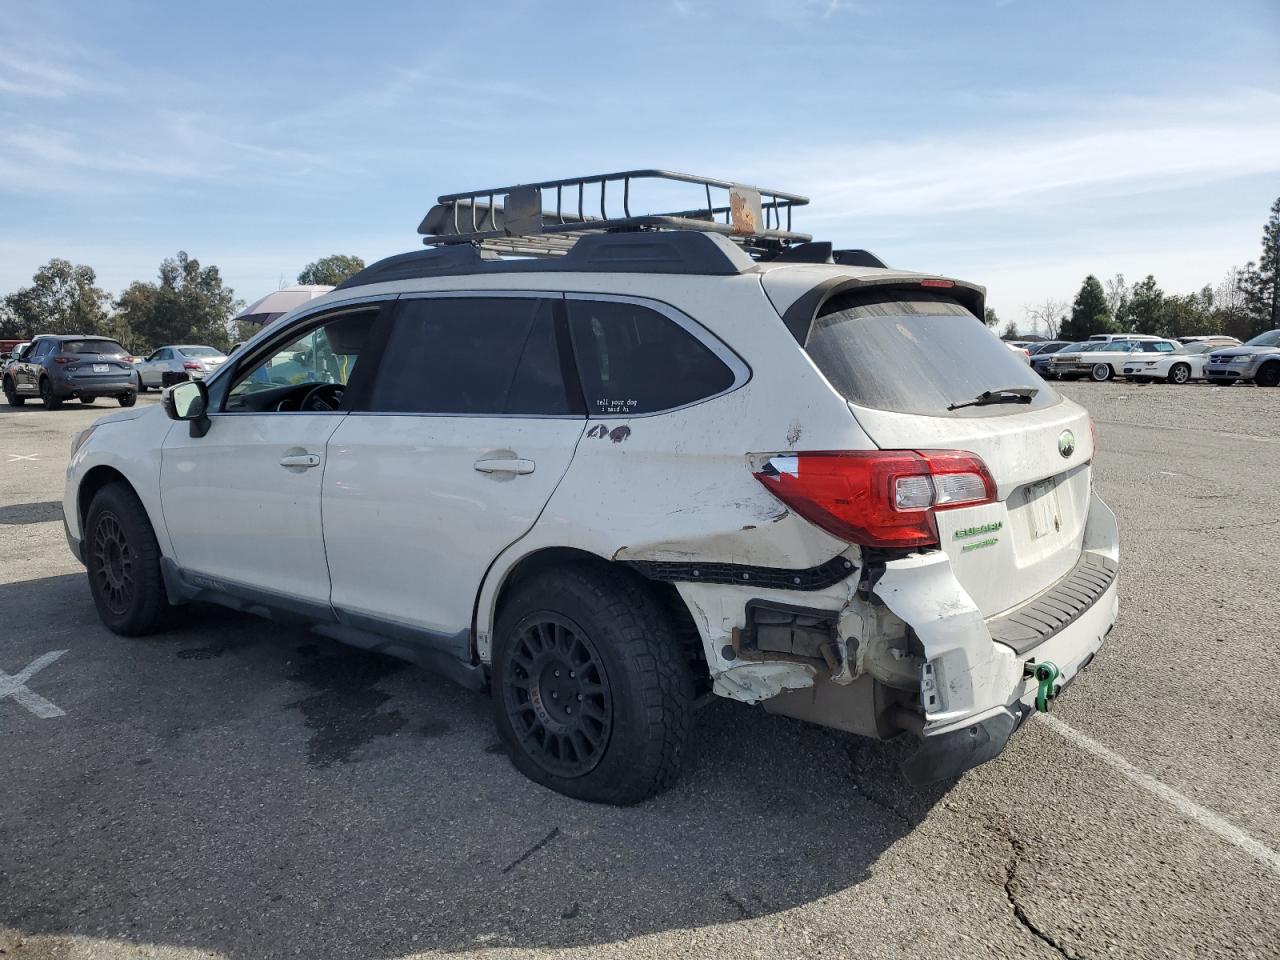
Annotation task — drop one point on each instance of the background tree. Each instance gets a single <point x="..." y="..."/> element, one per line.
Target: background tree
<point x="1231" y="305"/>
<point x="1090" y="313"/>
<point x="1047" y="314"/>
<point x="1260" y="282"/>
<point x="1142" y="312"/>
<point x="63" y="298"/>
<point x="1117" y="290"/>
<point x="188" y="305"/>
<point x="989" y="318"/>
<point x="1010" y="331"/>
<point x="331" y="271"/>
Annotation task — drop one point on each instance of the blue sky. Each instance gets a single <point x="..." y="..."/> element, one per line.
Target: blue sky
<point x="1017" y="143"/>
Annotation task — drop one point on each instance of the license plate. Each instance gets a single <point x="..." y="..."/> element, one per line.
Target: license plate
<point x="1043" y="512"/>
<point x="100" y="368"/>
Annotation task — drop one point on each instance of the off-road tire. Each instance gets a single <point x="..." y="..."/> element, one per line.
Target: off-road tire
<point x="649" y="688"/>
<point x="11" y="394"/>
<point x="127" y="399"/>
<point x="1180" y="373"/>
<point x="1268" y="375"/>
<point x="47" y="397"/>
<point x="1101" y="372"/>
<point x="123" y="563"/>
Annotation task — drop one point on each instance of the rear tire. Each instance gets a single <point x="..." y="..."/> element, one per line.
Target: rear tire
<point x="11" y="394"/>
<point x="47" y="397"/>
<point x="1179" y="373"/>
<point x="142" y="387"/>
<point x="591" y="693"/>
<point x="123" y="563"/>
<point x="1101" y="372"/>
<point x="1269" y="375"/>
<point x="88" y="401"/>
<point x="127" y="399"/>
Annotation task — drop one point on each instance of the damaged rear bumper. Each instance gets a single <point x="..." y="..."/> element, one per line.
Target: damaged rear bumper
<point x="976" y="691"/>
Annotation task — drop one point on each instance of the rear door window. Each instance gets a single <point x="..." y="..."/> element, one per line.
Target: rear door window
<point x="916" y="353"/>
<point x="489" y="356"/>
<point x="633" y="360"/>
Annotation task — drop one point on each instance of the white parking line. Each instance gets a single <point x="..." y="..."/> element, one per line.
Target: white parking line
<point x="1184" y="805"/>
<point x="16" y="687"/>
<point x="15" y="457"/>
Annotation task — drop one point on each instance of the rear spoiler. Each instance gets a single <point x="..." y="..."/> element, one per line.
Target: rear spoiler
<point x="800" y="315"/>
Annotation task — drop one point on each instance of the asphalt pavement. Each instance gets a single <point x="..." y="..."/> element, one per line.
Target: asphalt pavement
<point x="235" y="788"/>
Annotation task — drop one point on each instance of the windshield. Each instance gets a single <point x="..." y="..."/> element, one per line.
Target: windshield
<point x="97" y="347"/>
<point x="1269" y="339"/>
<point x="917" y="355"/>
<point x="199" y="352"/>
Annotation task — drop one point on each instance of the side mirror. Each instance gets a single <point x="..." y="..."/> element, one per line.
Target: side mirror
<point x="188" y="401"/>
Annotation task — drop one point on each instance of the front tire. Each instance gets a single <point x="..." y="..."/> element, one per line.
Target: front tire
<point x="591" y="694"/>
<point x="1179" y="373"/>
<point x="11" y="394"/>
<point x="1101" y="372"/>
<point x="1269" y="375"/>
<point x="47" y="397"/>
<point x="123" y="563"/>
<point x="88" y="401"/>
<point x="142" y="387"/>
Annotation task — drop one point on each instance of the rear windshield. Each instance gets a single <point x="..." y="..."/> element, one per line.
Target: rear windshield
<point x="919" y="354"/>
<point x="104" y="347"/>
<point x="199" y="352"/>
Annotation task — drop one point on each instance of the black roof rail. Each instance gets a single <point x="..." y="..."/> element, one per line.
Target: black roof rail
<point x="515" y="219"/>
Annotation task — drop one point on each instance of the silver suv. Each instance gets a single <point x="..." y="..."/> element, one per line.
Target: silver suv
<point x="676" y="455"/>
<point x="1257" y="360"/>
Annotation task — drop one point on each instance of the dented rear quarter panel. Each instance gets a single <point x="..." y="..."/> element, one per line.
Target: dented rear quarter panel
<point x="678" y="486"/>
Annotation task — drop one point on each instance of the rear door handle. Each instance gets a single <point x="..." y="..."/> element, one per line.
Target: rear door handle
<point x="504" y="466"/>
<point x="301" y="460"/>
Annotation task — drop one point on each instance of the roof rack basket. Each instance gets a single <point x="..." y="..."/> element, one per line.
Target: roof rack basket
<point x="514" y="220"/>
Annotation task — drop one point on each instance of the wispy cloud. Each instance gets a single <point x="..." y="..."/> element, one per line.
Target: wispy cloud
<point x="1121" y="152"/>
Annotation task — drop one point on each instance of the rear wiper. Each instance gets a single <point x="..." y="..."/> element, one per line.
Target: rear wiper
<point x="999" y="395"/>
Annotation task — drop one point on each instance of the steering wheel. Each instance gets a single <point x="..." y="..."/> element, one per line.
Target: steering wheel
<point x="322" y="398"/>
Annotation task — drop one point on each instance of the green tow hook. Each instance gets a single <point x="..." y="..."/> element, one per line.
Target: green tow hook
<point x="1046" y="675"/>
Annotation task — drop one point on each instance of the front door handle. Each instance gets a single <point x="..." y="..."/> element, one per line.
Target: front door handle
<point x="304" y="460"/>
<point x="511" y="465"/>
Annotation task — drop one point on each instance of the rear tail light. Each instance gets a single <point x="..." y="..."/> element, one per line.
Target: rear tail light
<point x="878" y="498"/>
<point x="191" y="366"/>
<point x="61" y="360"/>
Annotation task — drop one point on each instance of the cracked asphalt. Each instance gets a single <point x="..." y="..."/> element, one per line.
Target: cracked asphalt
<point x="239" y="789"/>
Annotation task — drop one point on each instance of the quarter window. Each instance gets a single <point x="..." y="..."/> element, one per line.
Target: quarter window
<point x="633" y="360"/>
<point x="490" y="356"/>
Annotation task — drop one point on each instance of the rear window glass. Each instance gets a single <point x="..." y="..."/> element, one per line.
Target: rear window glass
<point x="917" y="355"/>
<point x="104" y="347"/>
<point x="634" y="360"/>
<point x="199" y="352"/>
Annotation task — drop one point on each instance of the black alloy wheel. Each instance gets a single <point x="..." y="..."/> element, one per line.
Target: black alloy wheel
<point x="557" y="696"/>
<point x="111" y="564"/>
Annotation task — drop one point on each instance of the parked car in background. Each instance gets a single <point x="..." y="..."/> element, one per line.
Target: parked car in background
<point x="59" y="368"/>
<point x="12" y="354"/>
<point x="1109" y="337"/>
<point x="1020" y="351"/>
<point x="1182" y="365"/>
<point x="1217" y="338"/>
<point x="195" y="362"/>
<point x="1043" y="358"/>
<point x="1257" y="360"/>
<point x="1105" y="359"/>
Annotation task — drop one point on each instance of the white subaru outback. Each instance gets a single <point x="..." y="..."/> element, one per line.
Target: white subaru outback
<point x="666" y="456"/>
